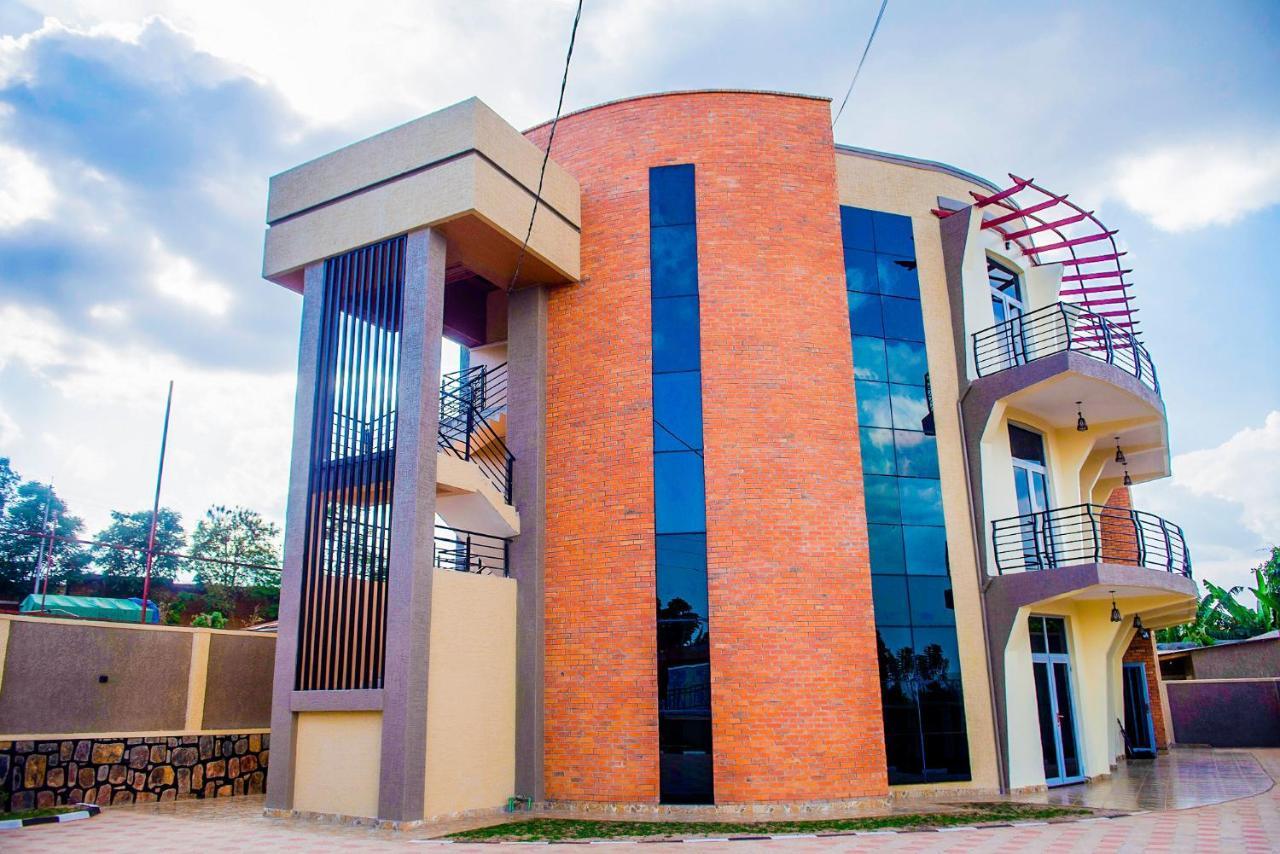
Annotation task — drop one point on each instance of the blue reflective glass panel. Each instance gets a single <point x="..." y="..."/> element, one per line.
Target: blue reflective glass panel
<point x="682" y="574"/>
<point x="868" y="358"/>
<point x="873" y="404"/>
<point x="907" y="362"/>
<point x="882" y="499"/>
<point x="917" y="453"/>
<point x="877" y="451"/>
<point x="909" y="406"/>
<point x="860" y="271"/>
<point x="864" y="315"/>
<point x="856" y="230"/>
<point x="885" y="542"/>
<point x="673" y="261"/>
<point x="902" y="318"/>
<point x="675" y="335"/>
<point x="893" y="234"/>
<point x="679" y="502"/>
<point x="941" y="652"/>
<point x="926" y="549"/>
<point x="930" y="600"/>
<point x="897" y="276"/>
<point x="671" y="195"/>
<point x="921" y="501"/>
<point x="889" y="596"/>
<point x="677" y="411"/>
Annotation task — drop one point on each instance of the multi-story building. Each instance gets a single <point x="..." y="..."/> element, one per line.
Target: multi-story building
<point x="779" y="473"/>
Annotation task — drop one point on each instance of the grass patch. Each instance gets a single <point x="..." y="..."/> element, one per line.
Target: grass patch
<point x="571" y="829"/>
<point x="37" y="813"/>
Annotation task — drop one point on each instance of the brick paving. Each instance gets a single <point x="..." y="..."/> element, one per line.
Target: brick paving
<point x="1247" y="824"/>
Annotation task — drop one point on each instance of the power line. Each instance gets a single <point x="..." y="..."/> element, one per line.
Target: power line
<point x="546" y="155"/>
<point x="858" y="71"/>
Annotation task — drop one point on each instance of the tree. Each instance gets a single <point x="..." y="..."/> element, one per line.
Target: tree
<point x="241" y="535"/>
<point x="1221" y="616"/>
<point x="8" y="483"/>
<point x="131" y="531"/>
<point x="24" y="512"/>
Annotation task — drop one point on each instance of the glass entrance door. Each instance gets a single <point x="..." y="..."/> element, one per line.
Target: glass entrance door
<point x="1031" y="485"/>
<point x="1139" y="729"/>
<point x="1008" y="307"/>
<point x="1051" y="667"/>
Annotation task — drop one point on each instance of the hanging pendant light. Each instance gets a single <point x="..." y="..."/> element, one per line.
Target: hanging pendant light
<point x="1137" y="622"/>
<point x="1115" y="612"/>
<point x="1081" y="424"/>
<point x="1119" y="453"/>
<point x="1128" y="481"/>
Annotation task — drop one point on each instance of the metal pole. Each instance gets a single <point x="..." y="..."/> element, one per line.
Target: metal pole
<point x="44" y="527"/>
<point x="49" y="568"/>
<point x="155" y="507"/>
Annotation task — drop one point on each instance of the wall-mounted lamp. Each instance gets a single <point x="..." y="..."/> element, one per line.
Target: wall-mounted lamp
<point x="1115" y="612"/>
<point x="1119" y="453"/>
<point x="1081" y="424"/>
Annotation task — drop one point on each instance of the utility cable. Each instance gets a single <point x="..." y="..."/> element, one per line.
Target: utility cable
<point x="858" y="71"/>
<point x="546" y="155"/>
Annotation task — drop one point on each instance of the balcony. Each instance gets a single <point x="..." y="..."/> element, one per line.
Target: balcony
<point x="1089" y="534"/>
<point x="1061" y="328"/>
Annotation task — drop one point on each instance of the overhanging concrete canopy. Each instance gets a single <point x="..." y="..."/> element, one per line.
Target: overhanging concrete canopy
<point x="463" y="170"/>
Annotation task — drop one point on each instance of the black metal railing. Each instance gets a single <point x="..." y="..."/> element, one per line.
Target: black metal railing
<point x="468" y="551"/>
<point x="466" y="433"/>
<point x="484" y="385"/>
<point x="1055" y="329"/>
<point x="1089" y="533"/>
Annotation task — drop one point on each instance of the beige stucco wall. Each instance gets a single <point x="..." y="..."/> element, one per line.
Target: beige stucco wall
<point x="1096" y="648"/>
<point x="913" y="191"/>
<point x="462" y="168"/>
<point x="337" y="761"/>
<point x="471" y="694"/>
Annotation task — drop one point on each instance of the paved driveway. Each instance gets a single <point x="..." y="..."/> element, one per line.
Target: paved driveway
<point x="1248" y="824"/>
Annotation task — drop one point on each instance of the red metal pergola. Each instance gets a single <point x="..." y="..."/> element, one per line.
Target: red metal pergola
<point x="1051" y="229"/>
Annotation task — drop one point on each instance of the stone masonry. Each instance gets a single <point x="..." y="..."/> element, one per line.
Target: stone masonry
<point x="108" y="771"/>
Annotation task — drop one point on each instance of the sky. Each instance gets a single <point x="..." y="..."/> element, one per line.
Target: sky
<point x="136" y="138"/>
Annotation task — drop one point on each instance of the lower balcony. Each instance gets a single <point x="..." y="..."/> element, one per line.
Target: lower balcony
<point x="1094" y="555"/>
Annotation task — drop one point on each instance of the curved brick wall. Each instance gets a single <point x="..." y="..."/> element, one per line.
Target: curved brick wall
<point x="795" y="691"/>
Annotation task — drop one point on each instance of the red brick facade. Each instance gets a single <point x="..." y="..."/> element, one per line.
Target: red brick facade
<point x="1118" y="534"/>
<point x="795" y="690"/>
<point x="1144" y="651"/>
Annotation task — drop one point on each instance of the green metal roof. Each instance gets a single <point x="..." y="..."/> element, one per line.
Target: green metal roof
<point x="89" y="607"/>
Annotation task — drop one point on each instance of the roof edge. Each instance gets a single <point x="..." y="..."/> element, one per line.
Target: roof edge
<point x="917" y="163"/>
<point x="674" y="92"/>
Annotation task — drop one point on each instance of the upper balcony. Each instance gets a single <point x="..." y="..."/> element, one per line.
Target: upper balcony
<point x="1062" y="328"/>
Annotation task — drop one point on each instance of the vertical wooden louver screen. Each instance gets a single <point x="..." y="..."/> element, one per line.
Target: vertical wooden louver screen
<point x="342" y="628"/>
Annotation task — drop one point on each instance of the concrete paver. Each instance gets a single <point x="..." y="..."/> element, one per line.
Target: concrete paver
<point x="1247" y="824"/>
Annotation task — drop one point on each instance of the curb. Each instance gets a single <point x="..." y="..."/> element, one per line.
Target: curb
<point x="780" y="836"/>
<point x="85" y="811"/>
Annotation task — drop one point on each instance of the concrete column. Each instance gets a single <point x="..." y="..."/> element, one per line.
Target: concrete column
<point x="404" y="717"/>
<point x="280" y="770"/>
<point x="527" y="440"/>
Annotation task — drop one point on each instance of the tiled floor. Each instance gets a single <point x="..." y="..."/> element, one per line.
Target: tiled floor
<point x="1250" y="823"/>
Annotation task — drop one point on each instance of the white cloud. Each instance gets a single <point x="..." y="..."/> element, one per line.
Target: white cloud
<point x="1227" y="498"/>
<point x="10" y="432"/>
<point x="26" y="193"/>
<point x="1244" y="470"/>
<point x="180" y="280"/>
<point x="229" y="438"/>
<point x="1185" y="186"/>
<point x="107" y="312"/>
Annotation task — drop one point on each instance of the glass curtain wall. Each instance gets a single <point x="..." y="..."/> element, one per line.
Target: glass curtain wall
<point x="684" y="655"/>
<point x="921" y="692"/>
